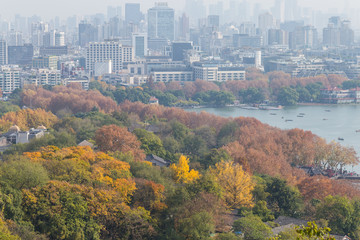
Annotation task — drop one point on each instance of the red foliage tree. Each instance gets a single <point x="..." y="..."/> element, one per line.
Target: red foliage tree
<point x="114" y="138"/>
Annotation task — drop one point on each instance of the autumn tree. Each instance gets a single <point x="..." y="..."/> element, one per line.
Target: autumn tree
<point x="236" y="184"/>
<point x="28" y="118"/>
<point x="115" y="138"/>
<point x="182" y="171"/>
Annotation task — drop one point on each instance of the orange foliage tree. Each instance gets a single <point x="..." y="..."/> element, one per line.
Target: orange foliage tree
<point x="82" y="165"/>
<point x="114" y="138"/>
<point x="71" y="98"/>
<point x="28" y="118"/>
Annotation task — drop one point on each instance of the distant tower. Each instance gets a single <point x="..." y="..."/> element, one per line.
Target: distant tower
<point x="3" y="53"/>
<point x="279" y="10"/>
<point x="161" y="23"/>
<point x="132" y="13"/>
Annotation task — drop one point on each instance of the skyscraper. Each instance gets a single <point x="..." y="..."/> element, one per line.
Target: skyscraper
<point x="3" y="52"/>
<point x="161" y="22"/>
<point x="87" y="33"/>
<point x="133" y="13"/>
<point x="279" y="10"/>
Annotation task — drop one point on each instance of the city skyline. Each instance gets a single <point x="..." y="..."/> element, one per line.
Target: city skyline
<point x="68" y="8"/>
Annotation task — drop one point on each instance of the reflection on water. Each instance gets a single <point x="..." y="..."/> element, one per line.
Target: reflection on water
<point x="327" y="121"/>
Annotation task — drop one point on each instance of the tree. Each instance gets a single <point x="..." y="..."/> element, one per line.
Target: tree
<point x="115" y="138"/>
<point x="236" y="184"/>
<point x="252" y="227"/>
<point x="260" y="209"/>
<point x="182" y="171"/>
<point x="283" y="199"/>
<point x="198" y="226"/>
<point x="23" y="174"/>
<point x="5" y="234"/>
<point x="287" y="96"/>
<point x="339" y="211"/>
<point x="251" y="95"/>
<point x="150" y="143"/>
<point x="312" y="231"/>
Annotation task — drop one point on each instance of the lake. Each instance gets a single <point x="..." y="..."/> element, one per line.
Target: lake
<point x="327" y="121"/>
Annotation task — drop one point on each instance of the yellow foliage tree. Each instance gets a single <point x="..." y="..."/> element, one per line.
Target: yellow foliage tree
<point x="182" y="171"/>
<point x="235" y="183"/>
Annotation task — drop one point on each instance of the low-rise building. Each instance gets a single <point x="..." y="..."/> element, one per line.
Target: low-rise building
<point x="340" y="96"/>
<point x="172" y="74"/>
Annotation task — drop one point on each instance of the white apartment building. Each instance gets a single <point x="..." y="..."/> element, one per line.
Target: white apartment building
<point x="215" y="73"/>
<point x="109" y="50"/>
<point x="9" y="79"/>
<point x="172" y="75"/>
<point x="230" y="74"/>
<point x="43" y="77"/>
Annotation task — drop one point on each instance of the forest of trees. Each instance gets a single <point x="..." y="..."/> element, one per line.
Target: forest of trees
<point x="276" y="87"/>
<point x="51" y="188"/>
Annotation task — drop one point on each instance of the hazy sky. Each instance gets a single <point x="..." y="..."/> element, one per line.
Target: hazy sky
<point x="65" y="8"/>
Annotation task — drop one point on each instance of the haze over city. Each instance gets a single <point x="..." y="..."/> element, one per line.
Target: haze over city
<point x="67" y="8"/>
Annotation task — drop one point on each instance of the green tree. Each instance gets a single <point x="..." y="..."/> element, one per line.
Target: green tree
<point x="22" y="173"/>
<point x="150" y="143"/>
<point x="287" y="96"/>
<point x="304" y="94"/>
<point x="283" y="199"/>
<point x="340" y="213"/>
<point x="260" y="209"/>
<point x="252" y="95"/>
<point x="198" y="226"/>
<point x="252" y="227"/>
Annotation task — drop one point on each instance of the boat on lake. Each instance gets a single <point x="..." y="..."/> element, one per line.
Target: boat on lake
<point x="341" y="139"/>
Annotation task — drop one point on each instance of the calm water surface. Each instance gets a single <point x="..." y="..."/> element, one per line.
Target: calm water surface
<point x="327" y="121"/>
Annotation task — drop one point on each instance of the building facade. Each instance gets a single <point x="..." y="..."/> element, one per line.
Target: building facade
<point x="161" y="23"/>
<point x="109" y="50"/>
<point x="9" y="79"/>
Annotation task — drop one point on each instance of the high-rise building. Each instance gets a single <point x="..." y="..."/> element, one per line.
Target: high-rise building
<point x="248" y="28"/>
<point x="184" y="27"/>
<point x="291" y="10"/>
<point x="132" y="13"/>
<point x="196" y="10"/>
<point x="277" y="37"/>
<point x="179" y="50"/>
<point x="266" y="21"/>
<point x="21" y="55"/>
<point x="279" y="10"/>
<point x="338" y="33"/>
<point x="16" y="38"/>
<point x="109" y="50"/>
<point x="213" y="21"/>
<point x="3" y="52"/>
<point x="59" y="39"/>
<point x="140" y="44"/>
<point x="87" y="33"/>
<point x="346" y="33"/>
<point x="161" y="22"/>
<point x="9" y="79"/>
